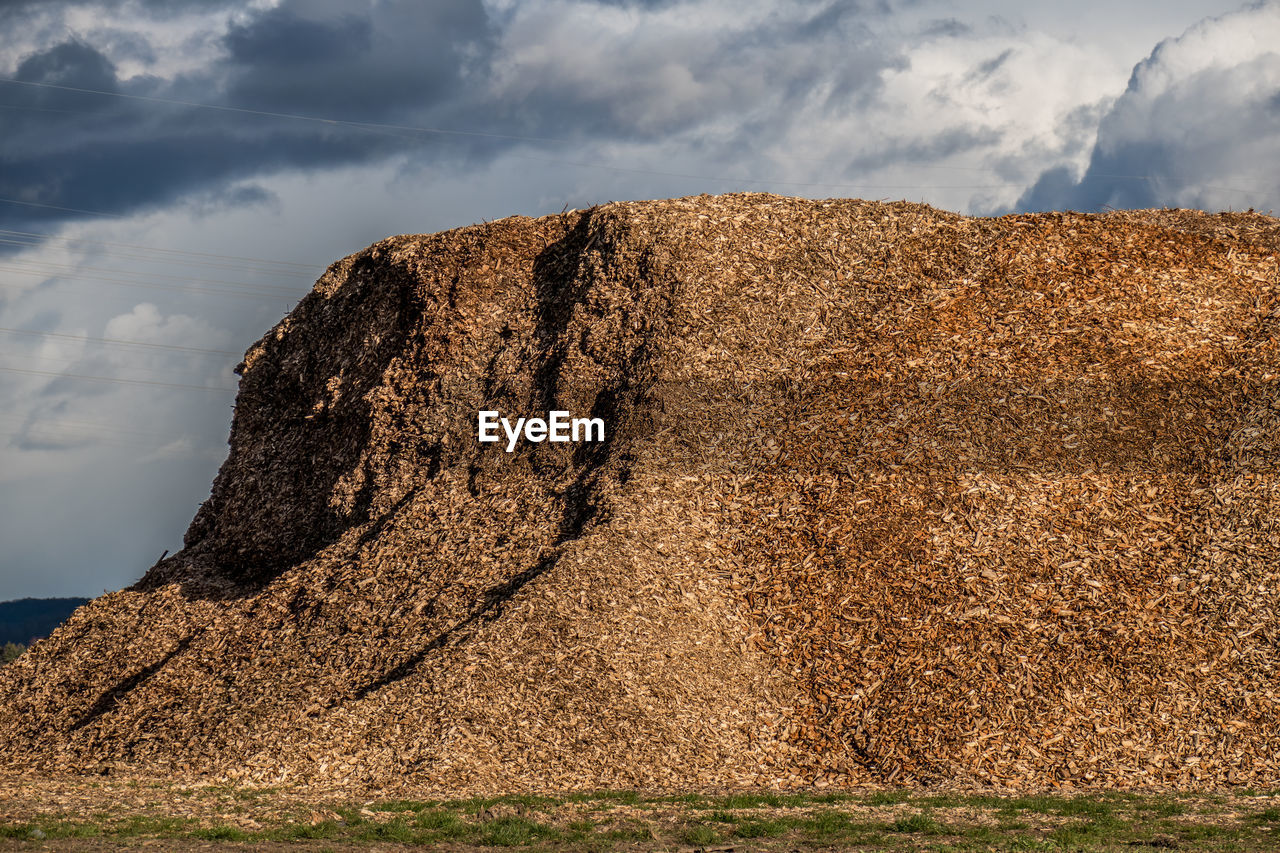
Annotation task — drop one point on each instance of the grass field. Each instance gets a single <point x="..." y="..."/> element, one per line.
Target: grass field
<point x="255" y="818"/>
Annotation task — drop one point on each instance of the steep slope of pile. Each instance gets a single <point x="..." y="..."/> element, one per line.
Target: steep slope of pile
<point x="888" y="495"/>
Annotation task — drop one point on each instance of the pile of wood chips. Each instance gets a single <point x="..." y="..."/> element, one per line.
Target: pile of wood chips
<point x="888" y="496"/>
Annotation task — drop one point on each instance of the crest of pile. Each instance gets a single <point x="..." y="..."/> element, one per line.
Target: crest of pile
<point x="885" y="495"/>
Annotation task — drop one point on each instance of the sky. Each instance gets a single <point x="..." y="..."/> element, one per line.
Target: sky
<point x="175" y="174"/>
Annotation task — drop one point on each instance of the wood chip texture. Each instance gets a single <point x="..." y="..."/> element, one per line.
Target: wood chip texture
<point x="889" y="496"/>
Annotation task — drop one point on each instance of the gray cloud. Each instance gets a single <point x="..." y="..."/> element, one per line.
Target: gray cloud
<point x="69" y="64"/>
<point x="397" y="62"/>
<point x="945" y="143"/>
<point x="395" y="59"/>
<point x="154" y="8"/>
<point x="734" y="78"/>
<point x="544" y="73"/>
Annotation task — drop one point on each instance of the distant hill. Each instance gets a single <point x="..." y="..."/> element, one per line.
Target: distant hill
<point x="29" y="619"/>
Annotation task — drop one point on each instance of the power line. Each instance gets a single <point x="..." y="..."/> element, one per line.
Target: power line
<point x="813" y="184"/>
<point x="118" y="342"/>
<point x="40" y="434"/>
<point x="175" y="261"/>
<point x="369" y="125"/>
<point x="55" y="268"/>
<point x="527" y="138"/>
<point x="41" y="237"/>
<point x="767" y="181"/>
<point x="57" y="375"/>
<point x="66" y="363"/>
<point x="121" y="296"/>
<point x="398" y="128"/>
<point x="59" y="207"/>
<point x="244" y="293"/>
<point x="379" y="126"/>
<point x="68" y="423"/>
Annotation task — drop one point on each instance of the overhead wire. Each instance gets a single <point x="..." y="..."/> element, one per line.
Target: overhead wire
<point x="59" y="375"/>
<point x="54" y="433"/>
<point x="370" y="125"/>
<point x="122" y="296"/>
<point x="60" y="207"/>
<point x="77" y="424"/>
<point x="220" y="291"/>
<point x="118" y="342"/>
<point x="67" y="364"/>
<point x="54" y="268"/>
<point x="83" y="429"/>
<point x="401" y="129"/>
<point x="36" y="238"/>
<point x="158" y="280"/>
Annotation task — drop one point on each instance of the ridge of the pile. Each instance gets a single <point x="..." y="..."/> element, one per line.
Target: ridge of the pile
<point x="888" y="495"/>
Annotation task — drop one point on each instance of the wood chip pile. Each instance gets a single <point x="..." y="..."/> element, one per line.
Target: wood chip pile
<point x="888" y="496"/>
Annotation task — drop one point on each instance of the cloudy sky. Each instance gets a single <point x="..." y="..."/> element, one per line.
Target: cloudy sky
<point x="175" y="173"/>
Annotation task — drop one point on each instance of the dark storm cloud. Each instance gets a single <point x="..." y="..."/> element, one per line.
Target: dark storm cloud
<point x="90" y="152"/>
<point x="69" y="149"/>
<point x="403" y="62"/>
<point x="638" y="4"/>
<point x="280" y="39"/>
<point x="69" y="64"/>
<point x="158" y="8"/>
<point x="391" y="58"/>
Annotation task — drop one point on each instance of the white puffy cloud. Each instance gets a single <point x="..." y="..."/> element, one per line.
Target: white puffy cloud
<point x="1197" y="126"/>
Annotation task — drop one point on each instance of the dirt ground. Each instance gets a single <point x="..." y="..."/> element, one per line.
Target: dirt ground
<point x="81" y="813"/>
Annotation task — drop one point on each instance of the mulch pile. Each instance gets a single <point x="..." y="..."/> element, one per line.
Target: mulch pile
<point x="888" y="496"/>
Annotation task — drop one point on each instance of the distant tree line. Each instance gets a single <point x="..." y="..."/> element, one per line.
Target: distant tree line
<point x="29" y="619"/>
<point x="9" y="652"/>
